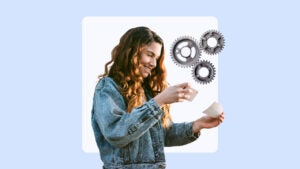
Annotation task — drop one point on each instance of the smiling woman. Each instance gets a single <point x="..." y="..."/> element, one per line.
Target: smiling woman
<point x="149" y="55"/>
<point x="130" y="115"/>
<point x="139" y="54"/>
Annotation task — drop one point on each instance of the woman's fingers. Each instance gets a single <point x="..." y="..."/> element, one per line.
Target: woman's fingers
<point x="182" y="92"/>
<point x="186" y="94"/>
<point x="184" y="85"/>
<point x="221" y="117"/>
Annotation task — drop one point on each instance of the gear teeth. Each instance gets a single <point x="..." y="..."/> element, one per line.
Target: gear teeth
<point x="204" y="79"/>
<point x="215" y="49"/>
<point x="185" y="51"/>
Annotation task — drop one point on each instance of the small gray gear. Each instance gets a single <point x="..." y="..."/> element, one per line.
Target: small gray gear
<point x="216" y="38"/>
<point x="208" y="76"/>
<point x="185" y="51"/>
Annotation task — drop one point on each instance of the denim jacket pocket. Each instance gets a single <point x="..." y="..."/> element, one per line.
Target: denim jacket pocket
<point x="125" y="153"/>
<point x="146" y="151"/>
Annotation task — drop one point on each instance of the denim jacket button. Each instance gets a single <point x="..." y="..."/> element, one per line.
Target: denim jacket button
<point x="134" y="128"/>
<point x="129" y="131"/>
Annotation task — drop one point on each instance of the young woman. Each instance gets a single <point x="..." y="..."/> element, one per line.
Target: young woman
<point x="131" y="116"/>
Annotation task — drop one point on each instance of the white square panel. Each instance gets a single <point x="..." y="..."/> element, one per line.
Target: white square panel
<point x="101" y="34"/>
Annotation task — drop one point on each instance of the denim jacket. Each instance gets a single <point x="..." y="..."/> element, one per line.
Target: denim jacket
<point x="133" y="140"/>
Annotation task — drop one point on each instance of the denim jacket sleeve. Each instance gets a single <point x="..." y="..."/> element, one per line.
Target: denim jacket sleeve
<point x="180" y="134"/>
<point x="117" y="126"/>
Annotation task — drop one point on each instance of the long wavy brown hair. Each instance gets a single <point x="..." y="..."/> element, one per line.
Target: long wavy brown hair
<point x="125" y="71"/>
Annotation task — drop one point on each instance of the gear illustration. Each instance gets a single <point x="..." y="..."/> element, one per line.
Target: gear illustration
<point x="212" y="42"/>
<point x="185" y="51"/>
<point x="204" y="72"/>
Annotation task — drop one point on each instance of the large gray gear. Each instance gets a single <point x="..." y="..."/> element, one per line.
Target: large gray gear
<point x="185" y="51"/>
<point x="219" y="39"/>
<point x="204" y="79"/>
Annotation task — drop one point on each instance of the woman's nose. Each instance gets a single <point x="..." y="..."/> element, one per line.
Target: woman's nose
<point x="153" y="62"/>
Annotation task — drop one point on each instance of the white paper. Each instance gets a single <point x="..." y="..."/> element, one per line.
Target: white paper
<point x="214" y="110"/>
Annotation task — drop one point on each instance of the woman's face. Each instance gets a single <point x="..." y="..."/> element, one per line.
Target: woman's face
<point x="149" y="55"/>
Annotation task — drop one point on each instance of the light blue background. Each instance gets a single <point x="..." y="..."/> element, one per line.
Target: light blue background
<point x="40" y="89"/>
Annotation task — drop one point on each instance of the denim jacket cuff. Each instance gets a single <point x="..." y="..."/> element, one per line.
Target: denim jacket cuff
<point x="190" y="132"/>
<point x="154" y="107"/>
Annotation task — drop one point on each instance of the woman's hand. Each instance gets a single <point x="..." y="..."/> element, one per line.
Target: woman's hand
<point x="172" y="94"/>
<point x="207" y="122"/>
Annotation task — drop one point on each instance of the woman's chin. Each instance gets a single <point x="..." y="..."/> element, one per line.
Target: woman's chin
<point x="145" y="75"/>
